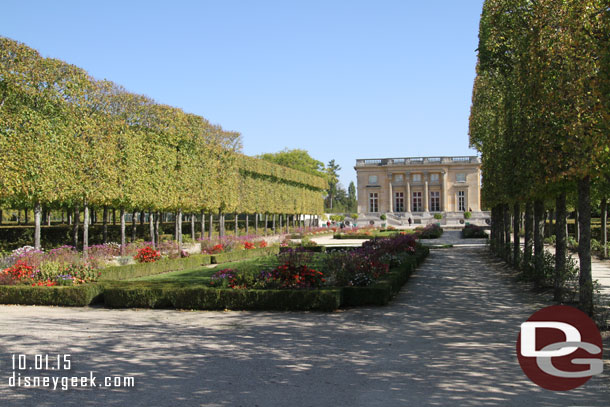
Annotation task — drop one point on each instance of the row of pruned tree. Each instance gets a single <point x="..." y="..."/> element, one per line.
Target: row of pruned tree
<point x="540" y="119"/>
<point x="69" y="140"/>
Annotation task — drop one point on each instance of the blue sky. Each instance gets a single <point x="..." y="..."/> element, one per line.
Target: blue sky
<point x="341" y="79"/>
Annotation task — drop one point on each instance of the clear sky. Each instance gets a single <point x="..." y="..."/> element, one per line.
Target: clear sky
<point x="342" y="79"/>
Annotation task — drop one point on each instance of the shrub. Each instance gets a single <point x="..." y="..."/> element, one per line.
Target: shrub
<point x="147" y="255"/>
<point x="354" y="216"/>
<point x="467" y="215"/>
<point x="383" y="217"/>
<point x="438" y="216"/>
<point x="473" y="232"/>
<point x="249" y="245"/>
<point x="432" y="231"/>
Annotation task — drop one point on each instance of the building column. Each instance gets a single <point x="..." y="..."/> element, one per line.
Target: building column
<point x="444" y="191"/>
<point x="390" y="202"/>
<point x="426" y="196"/>
<point x="408" y="196"/>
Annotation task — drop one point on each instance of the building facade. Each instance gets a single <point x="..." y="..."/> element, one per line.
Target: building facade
<point x="418" y="187"/>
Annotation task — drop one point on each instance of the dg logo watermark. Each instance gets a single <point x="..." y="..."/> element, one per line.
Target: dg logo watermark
<point x="560" y="348"/>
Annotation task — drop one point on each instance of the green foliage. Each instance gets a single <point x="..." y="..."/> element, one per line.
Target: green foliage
<point x="71" y="296"/>
<point x="126" y="150"/>
<point x="438" y="216"/>
<point x="467" y="215"/>
<point x="383" y="217"/>
<point x="297" y="159"/>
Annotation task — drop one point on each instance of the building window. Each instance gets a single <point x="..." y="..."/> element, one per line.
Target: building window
<point x="398" y="178"/>
<point x="417" y="202"/>
<point x="461" y="195"/>
<point x="399" y="200"/>
<point x="435" y="201"/>
<point x="460" y="177"/>
<point x="433" y="177"/>
<point x="373" y="202"/>
<point x="372" y="179"/>
<point x="416" y="177"/>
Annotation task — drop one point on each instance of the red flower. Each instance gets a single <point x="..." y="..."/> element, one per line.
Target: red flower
<point x="147" y="255"/>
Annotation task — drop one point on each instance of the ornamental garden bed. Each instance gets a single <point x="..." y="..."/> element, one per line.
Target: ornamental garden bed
<point x="370" y="275"/>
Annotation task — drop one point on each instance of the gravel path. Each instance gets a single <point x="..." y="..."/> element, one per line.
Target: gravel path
<point x="448" y="339"/>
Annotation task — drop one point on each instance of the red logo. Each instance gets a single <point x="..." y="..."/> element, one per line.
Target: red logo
<point x="560" y="348"/>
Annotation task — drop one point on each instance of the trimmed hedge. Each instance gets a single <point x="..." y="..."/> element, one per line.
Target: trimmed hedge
<point x="352" y="236"/>
<point x="73" y="296"/>
<point x="244" y="254"/>
<point x="158" y="267"/>
<point x="208" y="298"/>
<point x="382" y="291"/>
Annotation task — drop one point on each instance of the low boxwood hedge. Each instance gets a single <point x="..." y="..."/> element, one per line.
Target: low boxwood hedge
<point x="244" y="254"/>
<point x="74" y="296"/>
<point x="149" y="269"/>
<point x="208" y="298"/>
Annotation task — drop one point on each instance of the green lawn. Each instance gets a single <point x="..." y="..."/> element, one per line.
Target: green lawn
<point x="201" y="275"/>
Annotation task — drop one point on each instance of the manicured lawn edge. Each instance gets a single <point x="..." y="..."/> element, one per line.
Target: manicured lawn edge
<point x="158" y="267"/>
<point x="244" y="254"/>
<point x="72" y="296"/>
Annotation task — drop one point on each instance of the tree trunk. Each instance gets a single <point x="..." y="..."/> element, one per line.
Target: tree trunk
<point x="211" y="225"/>
<point x="179" y="217"/>
<point x="576" y="223"/>
<point x="27" y="219"/>
<point x="157" y="231"/>
<point x="193" y="236"/>
<point x="113" y="216"/>
<point x="202" y="225"/>
<point x="221" y="225"/>
<point x="86" y="229"/>
<point x="256" y="223"/>
<point x="75" y="222"/>
<point x="105" y="225"/>
<point x="63" y="219"/>
<point x="507" y="245"/>
<point x="151" y="229"/>
<point x="123" y="237"/>
<point x="176" y="226"/>
<point x="247" y="224"/>
<point x="141" y="218"/>
<point x="560" y="246"/>
<point x="529" y="236"/>
<point x="37" y="223"/>
<point x="604" y="234"/>
<point x="236" y="224"/>
<point x="584" y="245"/>
<point x="281" y="223"/>
<point x="538" y="240"/>
<point x="273" y="224"/>
<point x="516" y="237"/>
<point x="266" y="223"/>
<point x="133" y="226"/>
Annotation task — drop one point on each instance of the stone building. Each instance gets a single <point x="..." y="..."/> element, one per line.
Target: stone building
<point x="419" y="187"/>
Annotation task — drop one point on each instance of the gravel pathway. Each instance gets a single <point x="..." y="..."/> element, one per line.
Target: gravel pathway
<point x="448" y="339"/>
